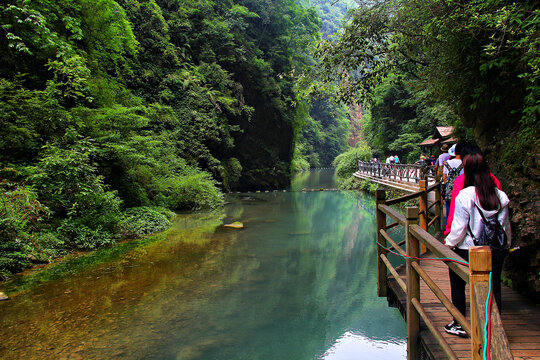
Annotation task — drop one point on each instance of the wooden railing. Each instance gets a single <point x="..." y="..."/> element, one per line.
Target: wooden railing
<point x="401" y="172"/>
<point x="476" y="275"/>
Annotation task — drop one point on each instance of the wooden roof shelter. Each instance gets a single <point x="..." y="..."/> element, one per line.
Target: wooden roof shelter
<point x="442" y="135"/>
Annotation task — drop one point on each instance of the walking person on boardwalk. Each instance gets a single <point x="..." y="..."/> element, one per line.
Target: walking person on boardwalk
<point x="443" y="157"/>
<point x="459" y="183"/>
<point x="478" y="201"/>
<point x="452" y="169"/>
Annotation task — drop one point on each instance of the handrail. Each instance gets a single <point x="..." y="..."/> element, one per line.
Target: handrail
<point x="440" y="250"/>
<point x="416" y="235"/>
<point x="393" y="214"/>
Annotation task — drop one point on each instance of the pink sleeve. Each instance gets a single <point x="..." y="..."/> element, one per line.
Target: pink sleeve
<point x="459" y="182"/>
<point x="496" y="181"/>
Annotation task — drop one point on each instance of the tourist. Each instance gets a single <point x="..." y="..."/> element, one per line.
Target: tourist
<point x="396" y="159"/>
<point x="443" y="157"/>
<point x="459" y="182"/>
<point x="479" y="194"/>
<point x="452" y="169"/>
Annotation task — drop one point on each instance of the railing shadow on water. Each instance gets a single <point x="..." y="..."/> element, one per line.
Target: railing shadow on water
<point x="476" y="273"/>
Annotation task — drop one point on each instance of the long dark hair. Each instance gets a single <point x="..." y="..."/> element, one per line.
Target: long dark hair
<point x="477" y="174"/>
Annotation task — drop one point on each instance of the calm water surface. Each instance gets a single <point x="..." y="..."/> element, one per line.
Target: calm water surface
<point x="298" y="282"/>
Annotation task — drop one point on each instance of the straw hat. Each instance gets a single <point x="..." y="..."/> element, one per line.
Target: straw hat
<point x="444" y="148"/>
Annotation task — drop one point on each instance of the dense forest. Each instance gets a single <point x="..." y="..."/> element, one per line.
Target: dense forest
<point x="115" y="113"/>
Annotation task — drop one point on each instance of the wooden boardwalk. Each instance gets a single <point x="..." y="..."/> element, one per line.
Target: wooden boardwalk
<point x="521" y="318"/>
<point x="515" y="332"/>
<point x="407" y="186"/>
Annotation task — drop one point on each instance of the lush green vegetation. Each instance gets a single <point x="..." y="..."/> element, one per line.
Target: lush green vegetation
<point x="477" y="60"/>
<point x="472" y="64"/>
<point x="326" y="124"/>
<point x="113" y="111"/>
<point x="347" y="163"/>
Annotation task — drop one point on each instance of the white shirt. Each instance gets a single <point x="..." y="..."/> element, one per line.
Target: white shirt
<point x="467" y="213"/>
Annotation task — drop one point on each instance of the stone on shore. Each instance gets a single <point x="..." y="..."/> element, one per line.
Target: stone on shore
<point x="235" y="225"/>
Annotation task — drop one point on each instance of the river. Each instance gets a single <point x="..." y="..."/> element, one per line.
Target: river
<point x="297" y="282"/>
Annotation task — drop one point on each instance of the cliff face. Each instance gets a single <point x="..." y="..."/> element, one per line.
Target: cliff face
<point x="521" y="181"/>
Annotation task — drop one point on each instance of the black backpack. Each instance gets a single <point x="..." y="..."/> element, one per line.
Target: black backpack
<point x="453" y="173"/>
<point x="492" y="234"/>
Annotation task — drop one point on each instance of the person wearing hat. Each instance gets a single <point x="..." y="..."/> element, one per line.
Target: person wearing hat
<point x="442" y="158"/>
<point x="451" y="170"/>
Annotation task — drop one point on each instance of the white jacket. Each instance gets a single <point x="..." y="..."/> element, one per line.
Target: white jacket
<point x="466" y="213"/>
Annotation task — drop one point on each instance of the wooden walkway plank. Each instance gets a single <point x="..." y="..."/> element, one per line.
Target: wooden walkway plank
<point x="521" y="318"/>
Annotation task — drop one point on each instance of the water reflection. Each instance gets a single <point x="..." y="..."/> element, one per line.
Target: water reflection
<point x="298" y="282"/>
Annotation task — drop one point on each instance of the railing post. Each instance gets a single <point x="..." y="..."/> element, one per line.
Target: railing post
<point x="479" y="268"/>
<point x="413" y="286"/>
<point x="438" y="202"/>
<point x="423" y="211"/>
<point x="381" y="224"/>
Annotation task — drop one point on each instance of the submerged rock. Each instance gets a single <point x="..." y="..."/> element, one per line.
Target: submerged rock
<point x="235" y="225"/>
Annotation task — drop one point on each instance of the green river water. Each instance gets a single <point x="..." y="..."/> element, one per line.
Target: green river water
<point x="297" y="283"/>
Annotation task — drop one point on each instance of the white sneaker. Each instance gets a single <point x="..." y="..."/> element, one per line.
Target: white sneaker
<point x="455" y="329"/>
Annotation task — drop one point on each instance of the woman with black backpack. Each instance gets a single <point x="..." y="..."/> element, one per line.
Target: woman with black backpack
<point x="478" y="207"/>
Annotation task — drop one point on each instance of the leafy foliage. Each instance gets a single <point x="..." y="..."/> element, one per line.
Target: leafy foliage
<point x="110" y="105"/>
<point x="143" y="220"/>
<point x="347" y="163"/>
<point x="479" y="58"/>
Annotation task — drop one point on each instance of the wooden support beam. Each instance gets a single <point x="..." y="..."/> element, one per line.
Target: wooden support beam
<point x="394" y="273"/>
<point x="436" y="333"/>
<point x="479" y="269"/>
<point x="381" y="225"/>
<point x="499" y="346"/>
<point x="413" y="286"/>
<point x="438" y="201"/>
<point x="423" y="211"/>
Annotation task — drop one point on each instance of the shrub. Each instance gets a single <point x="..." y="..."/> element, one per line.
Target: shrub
<point x="20" y="217"/>
<point x="144" y="220"/>
<point x="86" y="212"/>
<point x="192" y="191"/>
<point x="347" y="163"/>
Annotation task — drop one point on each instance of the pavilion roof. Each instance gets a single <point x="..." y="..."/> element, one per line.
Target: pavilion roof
<point x="429" y="142"/>
<point x="445" y="131"/>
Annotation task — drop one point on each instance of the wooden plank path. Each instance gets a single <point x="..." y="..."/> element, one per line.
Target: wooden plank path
<point x="521" y="317"/>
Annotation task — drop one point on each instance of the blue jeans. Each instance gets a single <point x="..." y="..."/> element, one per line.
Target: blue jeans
<point x="447" y="203"/>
